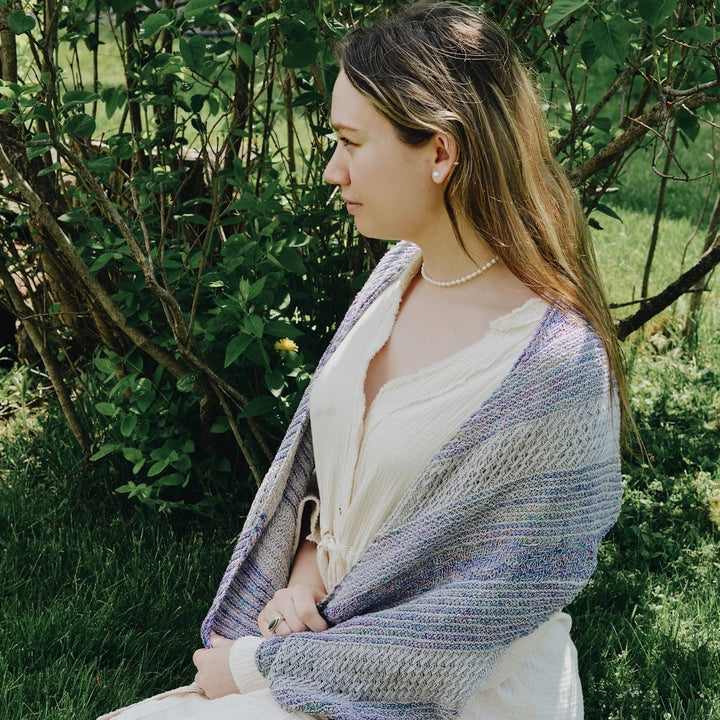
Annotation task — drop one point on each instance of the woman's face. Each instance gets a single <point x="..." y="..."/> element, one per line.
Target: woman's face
<point x="386" y="184"/>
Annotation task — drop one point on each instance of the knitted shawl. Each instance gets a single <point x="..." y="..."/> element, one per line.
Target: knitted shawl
<point x="499" y="532"/>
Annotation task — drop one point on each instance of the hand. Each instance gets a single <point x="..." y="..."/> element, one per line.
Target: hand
<point x="296" y="606"/>
<point x="213" y="668"/>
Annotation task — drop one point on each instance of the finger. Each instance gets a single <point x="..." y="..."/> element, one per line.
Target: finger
<point x="282" y="629"/>
<point x="291" y="624"/>
<point x="282" y="622"/>
<point x="219" y="641"/>
<point x="197" y="657"/>
<point x="283" y="607"/>
<point x="307" y="612"/>
<point x="268" y="623"/>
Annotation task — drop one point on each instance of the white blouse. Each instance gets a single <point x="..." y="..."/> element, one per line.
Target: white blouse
<point x="365" y="462"/>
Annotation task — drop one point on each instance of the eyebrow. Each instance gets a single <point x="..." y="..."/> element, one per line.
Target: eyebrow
<point x="341" y="126"/>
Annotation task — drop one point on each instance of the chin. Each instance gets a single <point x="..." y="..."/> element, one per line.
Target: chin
<point x="375" y="232"/>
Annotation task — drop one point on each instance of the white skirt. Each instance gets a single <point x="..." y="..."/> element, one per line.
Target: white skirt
<point x="536" y="680"/>
<point x="189" y="703"/>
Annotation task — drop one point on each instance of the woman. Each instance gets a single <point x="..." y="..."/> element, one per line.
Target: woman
<point x="443" y="488"/>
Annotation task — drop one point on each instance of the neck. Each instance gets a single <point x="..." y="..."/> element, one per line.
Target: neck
<point x="445" y="260"/>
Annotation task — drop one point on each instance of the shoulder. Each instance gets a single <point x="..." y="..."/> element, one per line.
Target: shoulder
<point x="393" y="262"/>
<point x="564" y="363"/>
<point x="565" y="338"/>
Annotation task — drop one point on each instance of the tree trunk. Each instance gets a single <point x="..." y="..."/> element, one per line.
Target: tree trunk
<point x="696" y="299"/>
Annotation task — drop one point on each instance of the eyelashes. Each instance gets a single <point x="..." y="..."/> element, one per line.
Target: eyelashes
<point x="334" y="137"/>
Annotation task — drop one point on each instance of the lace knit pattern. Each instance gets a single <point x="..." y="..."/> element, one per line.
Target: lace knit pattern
<point x="498" y="533"/>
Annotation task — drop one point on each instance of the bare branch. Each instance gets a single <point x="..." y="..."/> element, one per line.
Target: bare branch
<point x="670" y="294"/>
<point x="616" y="148"/>
<point x="44" y="217"/>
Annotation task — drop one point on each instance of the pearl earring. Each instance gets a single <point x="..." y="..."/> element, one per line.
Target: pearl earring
<point x="436" y="175"/>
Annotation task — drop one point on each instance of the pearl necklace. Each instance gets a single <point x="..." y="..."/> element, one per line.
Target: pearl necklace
<point x="459" y="281"/>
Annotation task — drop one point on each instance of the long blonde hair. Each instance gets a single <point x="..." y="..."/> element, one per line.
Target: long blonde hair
<point x="442" y="67"/>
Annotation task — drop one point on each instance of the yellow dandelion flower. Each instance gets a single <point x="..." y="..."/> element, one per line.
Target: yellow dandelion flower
<point x="286" y="344"/>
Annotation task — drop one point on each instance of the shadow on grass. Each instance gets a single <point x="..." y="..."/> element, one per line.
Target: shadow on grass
<point x="648" y="624"/>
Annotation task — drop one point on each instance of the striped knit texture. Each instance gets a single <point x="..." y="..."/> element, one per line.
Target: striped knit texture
<point x="499" y="532"/>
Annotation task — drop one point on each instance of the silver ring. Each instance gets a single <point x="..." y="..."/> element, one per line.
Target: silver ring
<point x="273" y="624"/>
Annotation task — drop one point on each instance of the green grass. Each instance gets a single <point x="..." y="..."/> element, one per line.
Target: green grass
<point x="647" y="626"/>
<point x="622" y="248"/>
<point x="100" y="603"/>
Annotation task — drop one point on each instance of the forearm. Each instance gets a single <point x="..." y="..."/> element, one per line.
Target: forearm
<point x="305" y="569"/>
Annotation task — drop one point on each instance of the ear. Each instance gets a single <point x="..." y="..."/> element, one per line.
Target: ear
<point x="445" y="159"/>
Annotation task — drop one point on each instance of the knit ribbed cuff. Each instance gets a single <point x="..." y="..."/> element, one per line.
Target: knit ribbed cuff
<point x="265" y="653"/>
<point x="242" y="664"/>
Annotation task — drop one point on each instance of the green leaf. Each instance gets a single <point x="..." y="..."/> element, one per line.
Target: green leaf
<point x="259" y="406"/>
<point x="80" y="125"/>
<point x="155" y="23"/>
<point x="73" y="98"/>
<point x="589" y="53"/>
<point x="195" y="8"/>
<point x="42" y="112"/>
<point x="560" y="9"/>
<point x="121" y="149"/>
<point x="281" y="329"/>
<point x="193" y="52"/>
<point x="308" y="99"/>
<point x="132" y="454"/>
<point x="107" y="409"/>
<point x="220" y="425"/>
<point x="655" y="12"/>
<point x="144" y="395"/>
<point x="101" y="165"/>
<point x="245" y="52"/>
<point x="607" y="210"/>
<point x="254" y="325"/>
<point x="157" y="467"/>
<point x="114" y="98"/>
<point x="256" y="288"/>
<point x="37" y="150"/>
<point x="46" y="171"/>
<point x="104" y="365"/>
<point x="611" y="37"/>
<point x="688" y="124"/>
<point x="300" y="54"/>
<point x="127" y="427"/>
<point x="122" y="6"/>
<point x="196" y="102"/>
<point x="173" y="479"/>
<point x="92" y="41"/>
<point x="236" y="347"/>
<point x="275" y="382"/>
<point x="103" y="259"/>
<point x="187" y="382"/>
<point x="104" y="450"/>
<point x="19" y="22"/>
<point x="290" y="259"/>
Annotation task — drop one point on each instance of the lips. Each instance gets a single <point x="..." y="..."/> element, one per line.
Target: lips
<point x="350" y="205"/>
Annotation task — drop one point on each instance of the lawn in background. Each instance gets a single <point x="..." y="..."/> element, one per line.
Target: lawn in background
<point x="101" y="600"/>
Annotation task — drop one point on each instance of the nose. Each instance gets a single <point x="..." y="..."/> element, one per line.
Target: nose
<point x="336" y="172"/>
